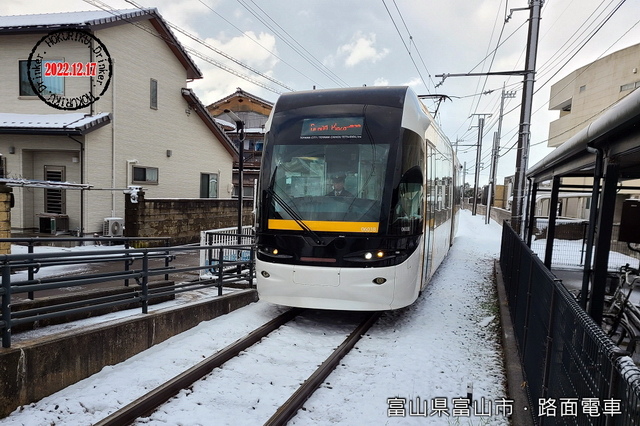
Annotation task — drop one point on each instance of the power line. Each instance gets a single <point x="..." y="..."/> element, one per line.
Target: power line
<point x="218" y="51"/>
<point x="600" y="25"/>
<point x="107" y="8"/>
<point x="246" y="35"/>
<point x="221" y="53"/>
<point x="493" y="57"/>
<point x="413" y="41"/>
<point x="291" y="42"/>
<point x="405" y="46"/>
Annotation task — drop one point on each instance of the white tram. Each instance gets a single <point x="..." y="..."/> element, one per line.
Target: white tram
<point x="358" y="195"/>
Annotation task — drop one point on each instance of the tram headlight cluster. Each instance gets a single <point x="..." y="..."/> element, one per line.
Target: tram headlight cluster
<point x="374" y="255"/>
<point x="367" y="256"/>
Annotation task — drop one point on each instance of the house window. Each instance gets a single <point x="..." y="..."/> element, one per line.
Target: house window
<point x="208" y="185"/>
<point x="54" y="201"/>
<point x="147" y="175"/>
<point x="50" y="85"/>
<point x="629" y="86"/>
<point x="153" y="94"/>
<point x="247" y="192"/>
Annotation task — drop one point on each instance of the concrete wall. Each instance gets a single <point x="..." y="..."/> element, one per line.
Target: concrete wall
<point x="497" y="214"/>
<point x="33" y="370"/>
<point x="182" y="219"/>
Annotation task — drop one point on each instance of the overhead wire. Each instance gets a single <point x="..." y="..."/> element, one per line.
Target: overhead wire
<point x="579" y="32"/>
<point x="291" y="42"/>
<point x="269" y="51"/>
<point x="107" y="8"/>
<point x="405" y="45"/>
<point x="490" y="54"/>
<point x="412" y="40"/>
<point x="600" y="25"/>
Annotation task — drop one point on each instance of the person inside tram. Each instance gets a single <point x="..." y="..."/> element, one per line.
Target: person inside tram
<point x="338" y="188"/>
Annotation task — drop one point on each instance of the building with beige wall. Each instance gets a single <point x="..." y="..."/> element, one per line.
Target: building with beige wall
<point x="583" y="95"/>
<point x="146" y="129"/>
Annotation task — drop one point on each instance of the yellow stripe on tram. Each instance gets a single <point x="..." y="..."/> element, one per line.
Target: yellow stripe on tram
<point x="324" y="225"/>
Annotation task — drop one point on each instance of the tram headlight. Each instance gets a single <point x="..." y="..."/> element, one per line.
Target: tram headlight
<point x="274" y="252"/>
<point x="265" y="274"/>
<point x="372" y="256"/>
<point x="379" y="280"/>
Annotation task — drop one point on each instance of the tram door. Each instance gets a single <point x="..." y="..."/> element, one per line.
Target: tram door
<point x="429" y="222"/>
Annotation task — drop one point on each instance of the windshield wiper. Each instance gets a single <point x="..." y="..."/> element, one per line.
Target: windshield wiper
<point x="291" y="212"/>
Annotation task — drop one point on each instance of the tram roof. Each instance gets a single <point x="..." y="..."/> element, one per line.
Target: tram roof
<point x="392" y="96"/>
<point x="616" y="131"/>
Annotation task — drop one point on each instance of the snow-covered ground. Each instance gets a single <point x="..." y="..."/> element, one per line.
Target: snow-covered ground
<point x="414" y="366"/>
<point x="570" y="254"/>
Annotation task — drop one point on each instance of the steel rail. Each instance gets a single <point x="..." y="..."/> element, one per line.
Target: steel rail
<point x="152" y="400"/>
<point x="297" y="400"/>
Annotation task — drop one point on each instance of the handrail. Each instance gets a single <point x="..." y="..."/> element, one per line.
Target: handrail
<point x="224" y="270"/>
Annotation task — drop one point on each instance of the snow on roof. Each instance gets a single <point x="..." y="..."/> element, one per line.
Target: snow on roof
<point x="85" y="18"/>
<point x="240" y="93"/>
<point x="76" y="122"/>
<point x="96" y="19"/>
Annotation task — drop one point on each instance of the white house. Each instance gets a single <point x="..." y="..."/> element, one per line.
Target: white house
<point x="113" y="112"/>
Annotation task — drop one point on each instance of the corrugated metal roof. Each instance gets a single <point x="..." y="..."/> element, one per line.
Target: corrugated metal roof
<point x="76" y="123"/>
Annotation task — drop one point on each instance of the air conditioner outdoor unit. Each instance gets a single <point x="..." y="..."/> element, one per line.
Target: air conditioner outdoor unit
<point x="113" y="227"/>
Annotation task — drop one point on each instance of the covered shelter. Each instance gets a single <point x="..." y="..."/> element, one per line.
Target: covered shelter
<point x="607" y="154"/>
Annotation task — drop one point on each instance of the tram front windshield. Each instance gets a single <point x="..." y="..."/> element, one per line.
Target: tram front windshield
<point x="327" y="185"/>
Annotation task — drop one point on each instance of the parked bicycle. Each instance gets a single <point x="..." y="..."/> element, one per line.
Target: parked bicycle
<point x="621" y="317"/>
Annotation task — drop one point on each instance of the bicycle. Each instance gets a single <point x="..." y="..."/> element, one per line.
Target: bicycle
<point x="621" y="318"/>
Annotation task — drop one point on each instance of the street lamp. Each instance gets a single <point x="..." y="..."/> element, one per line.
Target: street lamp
<point x="240" y="130"/>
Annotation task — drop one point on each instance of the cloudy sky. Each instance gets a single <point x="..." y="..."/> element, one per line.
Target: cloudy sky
<point x="274" y="46"/>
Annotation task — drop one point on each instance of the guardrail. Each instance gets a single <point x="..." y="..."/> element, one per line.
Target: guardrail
<point x="32" y="242"/>
<point x="125" y="264"/>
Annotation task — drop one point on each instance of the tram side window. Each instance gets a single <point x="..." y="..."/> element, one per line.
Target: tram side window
<point x="443" y="187"/>
<point x="431" y="198"/>
<point x="407" y="213"/>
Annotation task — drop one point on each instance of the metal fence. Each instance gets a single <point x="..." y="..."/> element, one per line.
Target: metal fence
<point x="575" y="375"/>
<point x="215" y="238"/>
<point x="144" y="266"/>
<point x="570" y="244"/>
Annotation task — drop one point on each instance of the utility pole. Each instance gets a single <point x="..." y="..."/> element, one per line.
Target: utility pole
<point x="478" y="157"/>
<point x="492" y="173"/>
<point x="495" y="151"/>
<point x="524" y="133"/>
<point x="241" y="136"/>
<point x="464" y="177"/>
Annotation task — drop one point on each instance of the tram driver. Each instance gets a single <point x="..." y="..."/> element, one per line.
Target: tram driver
<point x="338" y="188"/>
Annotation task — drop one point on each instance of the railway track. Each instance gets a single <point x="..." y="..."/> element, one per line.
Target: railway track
<point x="149" y="402"/>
